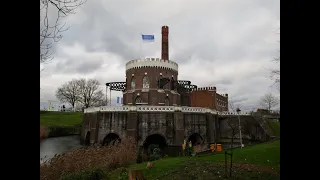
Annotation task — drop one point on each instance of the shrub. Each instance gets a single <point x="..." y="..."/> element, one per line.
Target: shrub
<point x="156" y="154"/>
<point x="55" y="131"/>
<point x="200" y="148"/>
<point x="43" y="132"/>
<point x="139" y="158"/>
<point x="94" y="174"/>
<point x="102" y="157"/>
<point x="123" y="175"/>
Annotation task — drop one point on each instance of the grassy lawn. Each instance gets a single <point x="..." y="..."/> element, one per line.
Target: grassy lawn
<point x="55" y="118"/>
<point x="274" y="128"/>
<point x="209" y="166"/>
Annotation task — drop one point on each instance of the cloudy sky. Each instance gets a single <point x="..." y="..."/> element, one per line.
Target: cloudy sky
<point x="229" y="44"/>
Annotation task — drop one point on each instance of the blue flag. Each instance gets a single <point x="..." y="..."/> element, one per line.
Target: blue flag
<point x="148" y="38"/>
<point x="118" y="100"/>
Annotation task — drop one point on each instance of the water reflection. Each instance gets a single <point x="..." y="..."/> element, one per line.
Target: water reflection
<point x="57" y="145"/>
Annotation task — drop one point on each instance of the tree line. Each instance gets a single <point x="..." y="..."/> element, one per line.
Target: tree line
<point x="86" y="92"/>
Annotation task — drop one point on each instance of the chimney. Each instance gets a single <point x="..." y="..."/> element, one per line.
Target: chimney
<point x="165" y="43"/>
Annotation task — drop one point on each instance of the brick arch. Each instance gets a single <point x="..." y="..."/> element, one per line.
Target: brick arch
<point x="111" y="139"/>
<point x="196" y="138"/>
<point x="153" y="138"/>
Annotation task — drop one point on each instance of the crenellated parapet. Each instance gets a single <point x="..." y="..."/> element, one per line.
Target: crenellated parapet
<point x="209" y="88"/>
<point x="160" y="109"/>
<point x="152" y="62"/>
<point x="226" y="113"/>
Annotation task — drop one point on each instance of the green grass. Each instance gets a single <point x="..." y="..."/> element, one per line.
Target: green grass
<point x="267" y="154"/>
<point x="273" y="128"/>
<point x="55" y="118"/>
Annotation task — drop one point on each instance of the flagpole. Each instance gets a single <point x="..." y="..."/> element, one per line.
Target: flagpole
<point x="140" y="53"/>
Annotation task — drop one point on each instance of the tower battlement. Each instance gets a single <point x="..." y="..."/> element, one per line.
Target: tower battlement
<point x="209" y="88"/>
<point x="152" y="62"/>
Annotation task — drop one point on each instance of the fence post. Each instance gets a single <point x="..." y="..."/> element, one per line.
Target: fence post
<point x="230" y="164"/>
<point x="225" y="160"/>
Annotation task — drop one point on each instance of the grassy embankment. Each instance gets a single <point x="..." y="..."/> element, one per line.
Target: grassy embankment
<point x="53" y="123"/>
<point x="260" y="161"/>
<point x="273" y="128"/>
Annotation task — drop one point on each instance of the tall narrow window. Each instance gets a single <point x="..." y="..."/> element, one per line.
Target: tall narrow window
<point x="160" y="82"/>
<point x="172" y="84"/>
<point x="138" y="100"/>
<point x="166" y="101"/>
<point x="133" y="83"/>
<point x="145" y="82"/>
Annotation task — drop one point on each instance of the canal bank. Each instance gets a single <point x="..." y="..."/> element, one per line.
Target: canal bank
<point x="58" y="123"/>
<point x="60" y="131"/>
<point x="50" y="147"/>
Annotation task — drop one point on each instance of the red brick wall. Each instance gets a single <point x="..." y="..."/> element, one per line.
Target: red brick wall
<point x="222" y="102"/>
<point x="207" y="97"/>
<point x="153" y="75"/>
<point x="203" y="98"/>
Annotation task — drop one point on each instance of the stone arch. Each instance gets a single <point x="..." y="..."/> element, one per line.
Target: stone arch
<point x="87" y="139"/>
<point x="111" y="139"/>
<point x="145" y="82"/>
<point x="133" y="83"/>
<point x="196" y="139"/>
<point x="153" y="141"/>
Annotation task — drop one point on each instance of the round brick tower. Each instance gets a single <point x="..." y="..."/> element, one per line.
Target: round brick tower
<point x="152" y="81"/>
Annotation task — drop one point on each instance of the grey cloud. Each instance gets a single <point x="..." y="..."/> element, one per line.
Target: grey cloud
<point x="214" y="33"/>
<point x="78" y="65"/>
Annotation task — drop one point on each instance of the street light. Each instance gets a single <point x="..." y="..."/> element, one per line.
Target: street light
<point x="238" y="111"/>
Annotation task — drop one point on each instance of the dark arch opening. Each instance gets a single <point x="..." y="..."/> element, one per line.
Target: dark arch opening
<point x="195" y="139"/>
<point x="87" y="139"/>
<point x="111" y="140"/>
<point x="154" y="141"/>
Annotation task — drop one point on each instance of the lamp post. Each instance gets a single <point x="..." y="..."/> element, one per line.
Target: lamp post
<point x="238" y="111"/>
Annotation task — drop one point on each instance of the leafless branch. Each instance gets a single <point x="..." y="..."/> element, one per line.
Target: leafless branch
<point x="91" y="93"/>
<point x="50" y="29"/>
<point x="68" y="92"/>
<point x="275" y="73"/>
<point x="86" y="92"/>
<point x="269" y="101"/>
<point x="232" y="107"/>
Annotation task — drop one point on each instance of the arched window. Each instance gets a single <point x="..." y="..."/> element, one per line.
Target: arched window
<point x="138" y="100"/>
<point x="126" y="86"/>
<point x="172" y="84"/>
<point x="166" y="101"/>
<point x="160" y="82"/>
<point x="145" y="82"/>
<point x="133" y="83"/>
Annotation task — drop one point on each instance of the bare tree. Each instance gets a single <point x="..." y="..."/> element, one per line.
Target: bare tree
<point x="233" y="129"/>
<point x="51" y="27"/>
<point x="91" y="93"/>
<point x="275" y="73"/>
<point x="69" y="93"/>
<point x="269" y="101"/>
<point x="102" y="102"/>
<point x="232" y="106"/>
